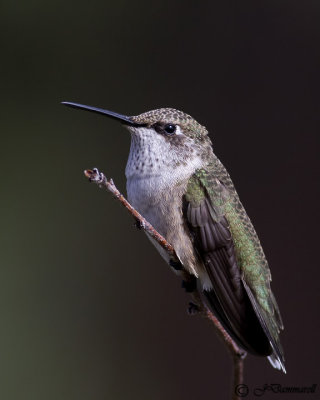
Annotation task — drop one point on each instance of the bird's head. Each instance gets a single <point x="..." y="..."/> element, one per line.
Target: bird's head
<point x="165" y="136"/>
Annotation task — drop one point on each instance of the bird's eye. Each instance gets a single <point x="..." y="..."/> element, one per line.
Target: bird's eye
<point x="170" y="129"/>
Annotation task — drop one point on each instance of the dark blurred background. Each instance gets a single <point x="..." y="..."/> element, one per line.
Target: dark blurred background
<point x="88" y="308"/>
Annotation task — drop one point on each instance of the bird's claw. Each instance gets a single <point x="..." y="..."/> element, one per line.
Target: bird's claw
<point x="193" y="308"/>
<point x="175" y="265"/>
<point x="189" y="285"/>
<point x="140" y="224"/>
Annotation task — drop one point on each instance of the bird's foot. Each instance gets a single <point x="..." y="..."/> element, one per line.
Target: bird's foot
<point x="175" y="265"/>
<point x="139" y="225"/>
<point x="193" y="308"/>
<point x="189" y="285"/>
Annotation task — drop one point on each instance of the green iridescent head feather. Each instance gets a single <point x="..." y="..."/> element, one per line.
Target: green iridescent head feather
<point x="188" y="125"/>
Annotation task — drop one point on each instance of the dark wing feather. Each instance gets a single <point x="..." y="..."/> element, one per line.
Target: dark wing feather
<point x="277" y="358"/>
<point x="228" y="299"/>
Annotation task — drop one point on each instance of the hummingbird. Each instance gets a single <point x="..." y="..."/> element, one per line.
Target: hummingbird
<point x="177" y="183"/>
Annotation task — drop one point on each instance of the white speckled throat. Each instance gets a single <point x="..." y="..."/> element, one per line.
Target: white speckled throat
<point x="153" y="155"/>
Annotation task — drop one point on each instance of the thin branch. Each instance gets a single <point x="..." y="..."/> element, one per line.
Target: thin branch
<point x="100" y="179"/>
<point x="238" y="355"/>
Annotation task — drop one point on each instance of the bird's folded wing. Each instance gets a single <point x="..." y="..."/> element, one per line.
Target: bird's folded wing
<point x="230" y="298"/>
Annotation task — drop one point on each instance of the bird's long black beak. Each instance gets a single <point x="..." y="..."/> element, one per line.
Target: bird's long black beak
<point x="125" y="119"/>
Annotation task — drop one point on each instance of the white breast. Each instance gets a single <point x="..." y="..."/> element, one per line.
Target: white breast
<point x="154" y="167"/>
<point x="156" y="182"/>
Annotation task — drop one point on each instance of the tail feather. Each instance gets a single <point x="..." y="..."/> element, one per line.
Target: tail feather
<point x="276" y="363"/>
